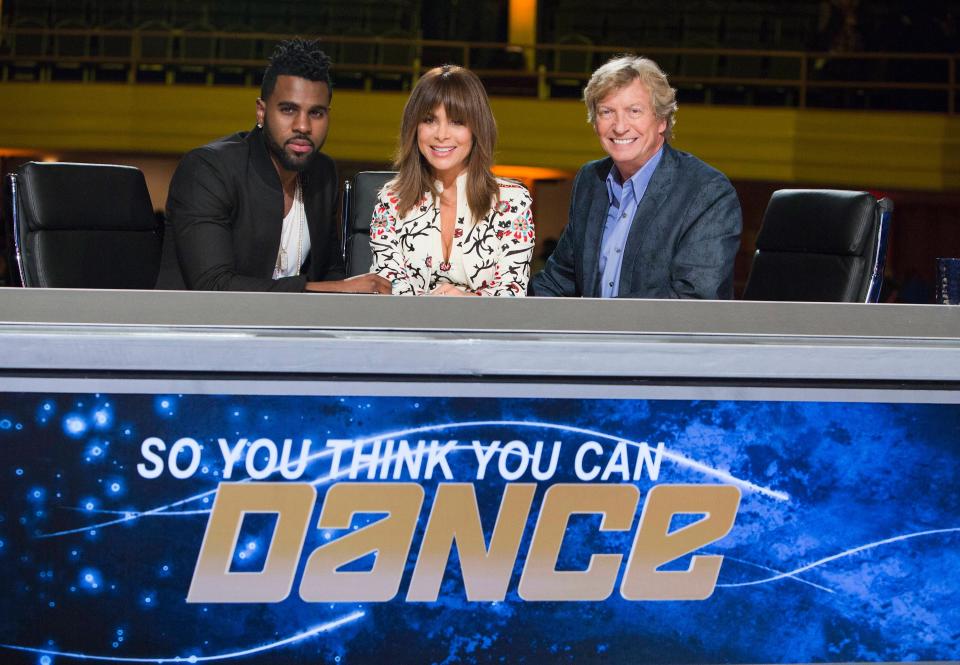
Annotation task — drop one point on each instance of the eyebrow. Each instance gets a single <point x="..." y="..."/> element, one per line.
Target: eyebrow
<point x="315" y="107"/>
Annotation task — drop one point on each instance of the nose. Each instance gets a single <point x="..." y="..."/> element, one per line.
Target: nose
<point x="301" y="123"/>
<point x="619" y="126"/>
<point x="442" y="129"/>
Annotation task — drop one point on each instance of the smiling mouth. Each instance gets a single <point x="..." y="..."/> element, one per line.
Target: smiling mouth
<point x="622" y="141"/>
<point x="443" y="150"/>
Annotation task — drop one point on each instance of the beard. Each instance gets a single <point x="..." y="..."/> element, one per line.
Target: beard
<point x="289" y="161"/>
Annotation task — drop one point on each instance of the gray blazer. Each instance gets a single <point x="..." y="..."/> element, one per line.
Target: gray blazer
<point x="681" y="244"/>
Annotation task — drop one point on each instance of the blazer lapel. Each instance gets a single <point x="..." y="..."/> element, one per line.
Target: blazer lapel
<point x="268" y="203"/>
<point x="653" y="198"/>
<point x="593" y="233"/>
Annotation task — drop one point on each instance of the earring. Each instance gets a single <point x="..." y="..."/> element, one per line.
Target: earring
<point x="259" y="125"/>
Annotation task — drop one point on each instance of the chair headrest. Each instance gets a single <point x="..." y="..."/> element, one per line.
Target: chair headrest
<point x="65" y="196"/>
<point x="366" y="188"/>
<point x="818" y="221"/>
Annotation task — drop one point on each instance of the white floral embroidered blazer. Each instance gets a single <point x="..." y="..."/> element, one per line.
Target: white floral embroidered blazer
<point x="490" y="256"/>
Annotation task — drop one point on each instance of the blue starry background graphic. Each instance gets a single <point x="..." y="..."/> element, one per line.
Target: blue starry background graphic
<point x="869" y="509"/>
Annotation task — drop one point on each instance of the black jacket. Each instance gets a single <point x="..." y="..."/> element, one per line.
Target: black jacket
<point x="225" y="209"/>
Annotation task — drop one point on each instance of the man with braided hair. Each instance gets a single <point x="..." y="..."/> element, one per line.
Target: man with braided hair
<point x="256" y="211"/>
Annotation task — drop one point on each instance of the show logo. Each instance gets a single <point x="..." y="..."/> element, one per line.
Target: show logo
<point x="453" y="520"/>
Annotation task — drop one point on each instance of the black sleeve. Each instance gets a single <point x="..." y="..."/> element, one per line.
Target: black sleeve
<point x="200" y="206"/>
<point x="331" y="267"/>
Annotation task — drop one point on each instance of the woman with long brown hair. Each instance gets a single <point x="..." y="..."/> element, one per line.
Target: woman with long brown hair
<point x="445" y="225"/>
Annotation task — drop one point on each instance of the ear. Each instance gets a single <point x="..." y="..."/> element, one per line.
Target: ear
<point x="662" y="126"/>
<point x="261" y="111"/>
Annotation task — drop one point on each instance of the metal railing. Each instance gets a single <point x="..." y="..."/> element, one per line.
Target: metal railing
<point x="711" y="75"/>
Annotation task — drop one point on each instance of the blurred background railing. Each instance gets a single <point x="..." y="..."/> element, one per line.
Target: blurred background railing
<point x="882" y="80"/>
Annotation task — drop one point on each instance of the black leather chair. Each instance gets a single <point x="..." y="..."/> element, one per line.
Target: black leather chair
<point x="83" y="226"/>
<point x="359" y="199"/>
<point x="819" y="245"/>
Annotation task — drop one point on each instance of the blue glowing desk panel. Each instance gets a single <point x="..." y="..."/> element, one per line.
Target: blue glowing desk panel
<point x="196" y="477"/>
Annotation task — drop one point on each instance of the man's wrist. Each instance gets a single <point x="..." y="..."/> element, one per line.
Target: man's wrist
<point x="325" y="287"/>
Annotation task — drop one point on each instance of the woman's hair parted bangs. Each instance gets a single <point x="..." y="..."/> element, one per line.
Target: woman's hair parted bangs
<point x="464" y="99"/>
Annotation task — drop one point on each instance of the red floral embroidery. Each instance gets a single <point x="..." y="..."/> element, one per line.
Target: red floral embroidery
<point x="457" y="233"/>
<point x="444" y="266"/>
<point x="429" y="262"/>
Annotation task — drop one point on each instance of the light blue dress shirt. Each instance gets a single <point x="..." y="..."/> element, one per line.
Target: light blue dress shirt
<point x="624" y="200"/>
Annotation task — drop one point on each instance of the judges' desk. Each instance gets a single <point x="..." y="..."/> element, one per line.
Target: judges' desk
<point x="297" y="478"/>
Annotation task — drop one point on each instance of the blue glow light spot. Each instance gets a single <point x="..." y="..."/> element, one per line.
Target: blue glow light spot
<point x="165" y="405"/>
<point x="45" y="660"/>
<point x="96" y="451"/>
<point x="2" y="543"/>
<point x="74" y="425"/>
<point x="114" y="487"/>
<point x="47" y="406"/>
<point x="252" y="545"/>
<point x="101" y="418"/>
<point x="5" y="424"/>
<point x="90" y="579"/>
<point x="19" y="427"/>
<point x="19" y="472"/>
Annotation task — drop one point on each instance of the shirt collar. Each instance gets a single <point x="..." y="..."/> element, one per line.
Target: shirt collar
<point x="637" y="182"/>
<point x="461" y="183"/>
